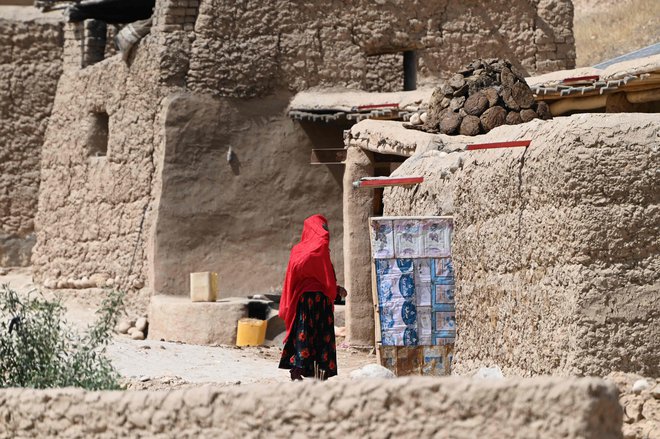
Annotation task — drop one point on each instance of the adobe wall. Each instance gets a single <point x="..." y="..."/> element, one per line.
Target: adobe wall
<point x="408" y="408"/>
<point x="30" y="65"/>
<point x="166" y="162"/>
<point x="555" y="246"/>
<point x="91" y="206"/>
<point x="240" y="217"/>
<point x="253" y="48"/>
<point x="96" y="212"/>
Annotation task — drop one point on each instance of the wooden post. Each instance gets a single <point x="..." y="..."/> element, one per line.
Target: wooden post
<point x="357" y="207"/>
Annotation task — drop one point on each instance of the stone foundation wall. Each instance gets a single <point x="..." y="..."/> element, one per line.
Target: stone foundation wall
<point x="407" y="408"/>
<point x="30" y="65"/>
<point x="555" y="246"/>
<point x="252" y="48"/>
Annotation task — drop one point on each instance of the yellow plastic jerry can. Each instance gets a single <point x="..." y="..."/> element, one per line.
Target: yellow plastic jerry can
<point x="251" y="332"/>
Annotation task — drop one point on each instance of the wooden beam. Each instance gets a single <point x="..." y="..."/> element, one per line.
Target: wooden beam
<point x="563" y="106"/>
<point x="330" y="156"/>
<point x="376" y="106"/>
<point x="640" y="97"/>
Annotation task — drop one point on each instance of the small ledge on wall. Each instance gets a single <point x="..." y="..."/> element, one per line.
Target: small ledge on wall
<point x="97" y="161"/>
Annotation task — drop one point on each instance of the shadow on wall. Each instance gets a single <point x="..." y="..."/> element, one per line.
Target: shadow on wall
<point x="234" y="161"/>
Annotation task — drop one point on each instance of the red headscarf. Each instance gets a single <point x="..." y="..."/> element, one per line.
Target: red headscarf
<point x="309" y="269"/>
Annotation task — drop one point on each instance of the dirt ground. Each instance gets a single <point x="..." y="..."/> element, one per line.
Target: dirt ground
<point x="153" y="364"/>
<point x="156" y="365"/>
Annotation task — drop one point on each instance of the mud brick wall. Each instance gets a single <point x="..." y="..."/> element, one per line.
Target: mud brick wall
<point x="555" y="246"/>
<point x="212" y="52"/>
<point x="91" y="202"/>
<point x="240" y="217"/>
<point x="421" y="407"/>
<point x="252" y="48"/>
<point x="198" y="217"/>
<point x="30" y="65"/>
<point x="173" y="26"/>
<point x="175" y="15"/>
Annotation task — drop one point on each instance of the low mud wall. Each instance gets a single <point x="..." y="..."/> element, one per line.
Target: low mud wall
<point x="405" y="408"/>
<point x="555" y="245"/>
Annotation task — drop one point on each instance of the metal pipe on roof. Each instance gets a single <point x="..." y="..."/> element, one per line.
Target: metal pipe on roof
<point x="409" y="70"/>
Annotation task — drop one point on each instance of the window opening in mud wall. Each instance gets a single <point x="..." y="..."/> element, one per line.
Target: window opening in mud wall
<point x="390" y="72"/>
<point x="97" y="140"/>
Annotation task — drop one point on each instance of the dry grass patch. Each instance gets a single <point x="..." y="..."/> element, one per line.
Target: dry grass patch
<point x="611" y="29"/>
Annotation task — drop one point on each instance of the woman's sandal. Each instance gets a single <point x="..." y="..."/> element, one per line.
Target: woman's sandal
<point x="296" y="374"/>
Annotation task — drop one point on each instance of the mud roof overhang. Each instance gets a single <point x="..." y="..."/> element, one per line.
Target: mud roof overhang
<point x="327" y="105"/>
<point x="639" y="78"/>
<point x="633" y="76"/>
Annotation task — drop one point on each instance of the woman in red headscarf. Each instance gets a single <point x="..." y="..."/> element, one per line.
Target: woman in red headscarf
<point x="306" y="306"/>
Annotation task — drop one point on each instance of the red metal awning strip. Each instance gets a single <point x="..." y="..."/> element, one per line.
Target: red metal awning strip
<point x="581" y="78"/>
<point x="387" y="181"/>
<point x="515" y="143"/>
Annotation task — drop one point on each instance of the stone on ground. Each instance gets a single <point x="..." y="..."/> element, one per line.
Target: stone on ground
<point x="124" y="326"/>
<point x="492" y="373"/>
<point x="141" y="324"/>
<point x="640" y="385"/>
<point x="372" y="371"/>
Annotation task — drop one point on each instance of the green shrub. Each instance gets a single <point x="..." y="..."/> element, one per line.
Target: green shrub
<point x="39" y="349"/>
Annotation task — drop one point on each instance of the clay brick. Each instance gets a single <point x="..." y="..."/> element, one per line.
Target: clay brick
<point x="176" y="12"/>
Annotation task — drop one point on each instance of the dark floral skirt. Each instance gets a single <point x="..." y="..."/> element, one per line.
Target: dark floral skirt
<point x="312" y="339"/>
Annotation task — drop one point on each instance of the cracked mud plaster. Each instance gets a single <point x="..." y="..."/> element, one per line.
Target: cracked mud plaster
<point x="556" y="249"/>
<point x="91" y="208"/>
<point x="250" y="49"/>
<point x="30" y="65"/>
